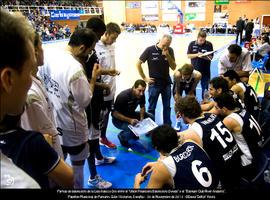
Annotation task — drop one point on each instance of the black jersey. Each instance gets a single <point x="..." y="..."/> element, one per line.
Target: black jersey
<point x="192" y="168"/>
<point x="221" y="147"/>
<point x="239" y="103"/>
<point x="250" y="99"/>
<point x="249" y="137"/>
<point x="183" y="85"/>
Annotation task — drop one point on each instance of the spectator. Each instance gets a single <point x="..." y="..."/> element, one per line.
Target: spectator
<point x="249" y="30"/>
<point x="263" y="49"/>
<point x="240" y="25"/>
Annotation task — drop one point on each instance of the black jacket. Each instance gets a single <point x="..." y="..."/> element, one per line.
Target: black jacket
<point x="240" y="25"/>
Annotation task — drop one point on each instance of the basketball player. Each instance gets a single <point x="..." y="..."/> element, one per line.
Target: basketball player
<point x="70" y="92"/>
<point x="246" y="93"/>
<point x="186" y="79"/>
<point x="245" y="129"/>
<point x="209" y="131"/>
<point x="38" y="114"/>
<point x="185" y="166"/>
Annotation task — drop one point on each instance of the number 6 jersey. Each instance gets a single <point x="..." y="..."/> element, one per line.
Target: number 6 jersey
<point x="191" y="168"/>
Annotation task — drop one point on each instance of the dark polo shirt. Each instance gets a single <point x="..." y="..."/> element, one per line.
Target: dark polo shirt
<point x="158" y="64"/>
<point x="200" y="64"/>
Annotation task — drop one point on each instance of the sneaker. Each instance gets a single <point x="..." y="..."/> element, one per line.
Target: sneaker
<point x="107" y="143"/>
<point x="105" y="160"/>
<point x="99" y="183"/>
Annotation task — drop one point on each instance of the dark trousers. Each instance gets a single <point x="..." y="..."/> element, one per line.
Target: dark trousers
<point x="154" y="92"/>
<point x="204" y="83"/>
<point x="239" y="32"/>
<point x="126" y="136"/>
<point x="108" y="106"/>
<point x="94" y="151"/>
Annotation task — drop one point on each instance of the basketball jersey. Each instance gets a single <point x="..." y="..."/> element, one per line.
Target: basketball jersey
<point x="220" y="145"/>
<point x="249" y="136"/>
<point x="191" y="168"/>
<point x="185" y="85"/>
<point x="250" y="99"/>
<point x="239" y="103"/>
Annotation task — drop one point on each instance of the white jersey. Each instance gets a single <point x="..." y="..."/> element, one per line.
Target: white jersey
<point x="13" y="177"/>
<point x="38" y="114"/>
<point x="106" y="57"/>
<point x="69" y="91"/>
<point x="246" y="158"/>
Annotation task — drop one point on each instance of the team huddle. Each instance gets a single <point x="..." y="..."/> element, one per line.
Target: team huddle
<point x="65" y="98"/>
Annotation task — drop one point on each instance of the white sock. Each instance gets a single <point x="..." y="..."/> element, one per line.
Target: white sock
<point x="78" y="176"/>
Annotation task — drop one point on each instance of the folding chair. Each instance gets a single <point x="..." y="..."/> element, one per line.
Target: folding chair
<point x="260" y="65"/>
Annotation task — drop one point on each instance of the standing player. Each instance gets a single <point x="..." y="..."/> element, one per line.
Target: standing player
<point x="70" y="92"/>
<point x="105" y="51"/>
<point x="38" y="114"/>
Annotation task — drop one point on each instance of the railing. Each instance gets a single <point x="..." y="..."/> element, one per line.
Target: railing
<point x="44" y="10"/>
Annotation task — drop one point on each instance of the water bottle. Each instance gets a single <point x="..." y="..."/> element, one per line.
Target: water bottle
<point x="178" y="125"/>
<point x="206" y="95"/>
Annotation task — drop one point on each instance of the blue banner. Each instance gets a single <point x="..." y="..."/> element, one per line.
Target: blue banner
<point x="64" y="15"/>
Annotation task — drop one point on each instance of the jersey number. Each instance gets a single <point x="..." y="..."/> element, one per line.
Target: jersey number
<point x="253" y="123"/>
<point x="222" y="130"/>
<point x="198" y="173"/>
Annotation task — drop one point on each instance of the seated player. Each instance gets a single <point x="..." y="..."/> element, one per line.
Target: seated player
<point x="184" y="165"/>
<point x="186" y="79"/>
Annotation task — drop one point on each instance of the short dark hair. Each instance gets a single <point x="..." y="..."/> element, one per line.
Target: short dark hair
<point x="202" y="34"/>
<point x="225" y="100"/>
<point x="112" y="28"/>
<point x="220" y="82"/>
<point x="266" y="39"/>
<point x="235" y="49"/>
<point x="186" y="69"/>
<point x="164" y="138"/>
<point x="96" y="24"/>
<point x="231" y="74"/>
<point x="14" y="36"/>
<point x="84" y="36"/>
<point x="138" y="83"/>
<point x="188" y="106"/>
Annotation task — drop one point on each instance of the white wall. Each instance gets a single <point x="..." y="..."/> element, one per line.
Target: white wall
<point x="114" y="11"/>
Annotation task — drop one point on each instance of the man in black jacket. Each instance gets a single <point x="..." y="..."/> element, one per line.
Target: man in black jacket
<point x="249" y="30"/>
<point x="240" y="24"/>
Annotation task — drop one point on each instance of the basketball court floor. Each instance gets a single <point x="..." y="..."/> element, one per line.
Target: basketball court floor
<point x="129" y="47"/>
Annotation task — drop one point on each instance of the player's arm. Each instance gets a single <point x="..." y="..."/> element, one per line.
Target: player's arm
<point x="232" y="125"/>
<point x="122" y="117"/>
<point x="239" y="91"/>
<point x="160" y="176"/>
<point x="198" y="77"/>
<point x="190" y="134"/>
<point x="140" y="70"/>
<point x="177" y="77"/>
<point x="207" y="106"/>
